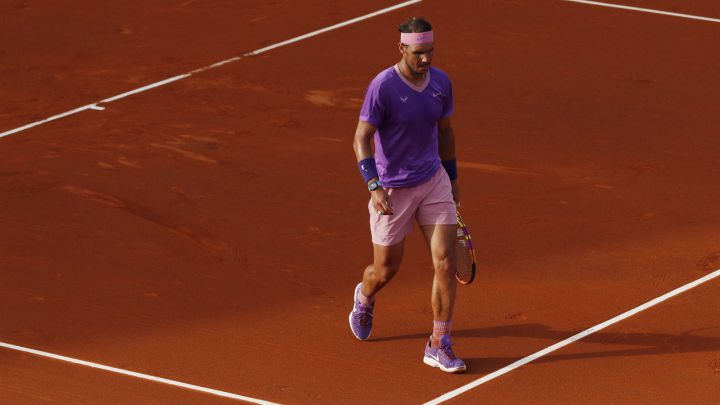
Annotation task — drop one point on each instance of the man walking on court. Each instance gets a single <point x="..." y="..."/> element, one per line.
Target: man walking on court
<point x="411" y="177"/>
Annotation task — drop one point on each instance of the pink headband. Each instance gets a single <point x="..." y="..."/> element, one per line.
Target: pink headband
<point x="413" y="38"/>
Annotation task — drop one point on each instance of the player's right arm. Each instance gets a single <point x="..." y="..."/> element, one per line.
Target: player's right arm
<point x="363" y="150"/>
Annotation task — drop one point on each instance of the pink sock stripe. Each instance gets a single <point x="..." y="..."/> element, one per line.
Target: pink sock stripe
<point x="363" y="300"/>
<point x="441" y="328"/>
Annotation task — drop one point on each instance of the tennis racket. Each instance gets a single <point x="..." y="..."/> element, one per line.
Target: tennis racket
<point x="465" y="254"/>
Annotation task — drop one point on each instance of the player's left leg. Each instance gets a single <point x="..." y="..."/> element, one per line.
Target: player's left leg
<point x="441" y="240"/>
<point x="438" y="351"/>
<point x="438" y="221"/>
<point x="388" y="236"/>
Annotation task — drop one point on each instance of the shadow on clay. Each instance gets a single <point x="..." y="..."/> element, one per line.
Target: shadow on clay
<point x="648" y="343"/>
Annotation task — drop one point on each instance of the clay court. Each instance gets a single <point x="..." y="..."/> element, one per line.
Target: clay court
<point x="209" y="230"/>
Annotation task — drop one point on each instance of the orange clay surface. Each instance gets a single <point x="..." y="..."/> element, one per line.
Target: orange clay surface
<point x="211" y="231"/>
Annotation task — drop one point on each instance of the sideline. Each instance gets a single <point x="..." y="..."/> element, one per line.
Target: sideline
<point x="572" y="339"/>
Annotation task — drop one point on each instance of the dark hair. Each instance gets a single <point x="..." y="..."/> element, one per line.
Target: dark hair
<point x="415" y="24"/>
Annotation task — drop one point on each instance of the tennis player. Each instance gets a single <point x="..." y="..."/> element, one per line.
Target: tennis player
<point x="412" y="177"/>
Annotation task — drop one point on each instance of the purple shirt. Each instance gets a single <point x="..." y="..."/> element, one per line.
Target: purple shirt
<point x="406" y="117"/>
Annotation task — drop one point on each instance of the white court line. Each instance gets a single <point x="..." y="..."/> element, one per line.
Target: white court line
<point x="146" y="88"/>
<point x="53" y="118"/>
<point x="645" y="10"/>
<point x="95" y="106"/>
<point x="572" y="339"/>
<point x="136" y="375"/>
<point x="215" y="65"/>
<point x="332" y="27"/>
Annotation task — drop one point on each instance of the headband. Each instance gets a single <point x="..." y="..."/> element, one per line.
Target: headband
<point x="413" y="38"/>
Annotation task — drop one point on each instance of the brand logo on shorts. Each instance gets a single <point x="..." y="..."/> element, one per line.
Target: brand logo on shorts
<point x="403" y="98"/>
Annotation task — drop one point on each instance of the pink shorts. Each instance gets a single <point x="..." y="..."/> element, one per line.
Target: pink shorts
<point x="429" y="203"/>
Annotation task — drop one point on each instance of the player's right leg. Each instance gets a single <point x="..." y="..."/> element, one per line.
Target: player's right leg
<point x="388" y="236"/>
<point x="385" y="265"/>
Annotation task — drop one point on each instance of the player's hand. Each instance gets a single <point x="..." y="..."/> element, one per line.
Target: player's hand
<point x="456" y="192"/>
<point x="381" y="201"/>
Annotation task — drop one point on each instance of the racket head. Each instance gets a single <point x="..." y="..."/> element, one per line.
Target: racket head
<point x="464" y="253"/>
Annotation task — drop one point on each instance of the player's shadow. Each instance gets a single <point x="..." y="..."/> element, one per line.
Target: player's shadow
<point x="647" y="344"/>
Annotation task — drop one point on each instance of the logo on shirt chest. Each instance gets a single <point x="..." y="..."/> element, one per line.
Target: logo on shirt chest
<point x="437" y="94"/>
<point x="404" y="99"/>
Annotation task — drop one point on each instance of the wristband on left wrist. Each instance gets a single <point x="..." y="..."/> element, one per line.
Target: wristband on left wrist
<point x="451" y="168"/>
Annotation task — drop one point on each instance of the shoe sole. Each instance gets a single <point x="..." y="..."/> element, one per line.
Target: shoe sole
<point x="434" y="363"/>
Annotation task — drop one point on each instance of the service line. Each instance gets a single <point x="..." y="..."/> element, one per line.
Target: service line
<point x="135" y="374"/>
<point x="574" y="338"/>
<point x="96" y="106"/>
<point x="645" y="10"/>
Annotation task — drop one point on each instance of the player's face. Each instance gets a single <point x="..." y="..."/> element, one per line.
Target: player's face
<point x="418" y="57"/>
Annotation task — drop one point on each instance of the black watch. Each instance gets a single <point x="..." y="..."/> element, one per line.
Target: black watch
<point x="374" y="185"/>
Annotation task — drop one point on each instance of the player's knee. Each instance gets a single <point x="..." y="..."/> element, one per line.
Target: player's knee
<point x="386" y="271"/>
<point x="445" y="264"/>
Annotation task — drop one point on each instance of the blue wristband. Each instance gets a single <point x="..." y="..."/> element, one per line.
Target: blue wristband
<point x="451" y="168"/>
<point x="368" y="169"/>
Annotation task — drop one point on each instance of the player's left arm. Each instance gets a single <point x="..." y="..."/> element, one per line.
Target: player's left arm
<point x="446" y="149"/>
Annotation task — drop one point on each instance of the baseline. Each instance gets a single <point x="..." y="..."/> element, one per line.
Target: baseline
<point x="572" y="339"/>
<point x="136" y="374"/>
<point x="95" y="106"/>
<point x="645" y="10"/>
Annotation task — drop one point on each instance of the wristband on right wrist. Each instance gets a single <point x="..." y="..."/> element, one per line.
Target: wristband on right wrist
<point x="374" y="185"/>
<point x="368" y="169"/>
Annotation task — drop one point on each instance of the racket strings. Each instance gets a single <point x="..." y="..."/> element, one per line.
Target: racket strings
<point x="465" y="256"/>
